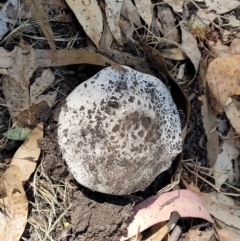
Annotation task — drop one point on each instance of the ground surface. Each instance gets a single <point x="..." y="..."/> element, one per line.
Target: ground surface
<point x="60" y="208"/>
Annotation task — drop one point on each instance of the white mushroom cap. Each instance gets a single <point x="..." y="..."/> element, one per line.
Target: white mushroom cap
<point x="118" y="130"/>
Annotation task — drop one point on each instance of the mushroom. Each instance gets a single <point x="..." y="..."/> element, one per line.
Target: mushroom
<point x="118" y="130"/>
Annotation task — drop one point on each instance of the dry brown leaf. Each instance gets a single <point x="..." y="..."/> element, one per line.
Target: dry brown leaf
<point x="23" y="106"/>
<point x="222" y="6"/>
<point x="227" y="235"/>
<point x="210" y="122"/>
<point x="112" y="10"/>
<point x="217" y="208"/>
<point x="209" y="119"/>
<point x="190" y="47"/>
<point x="6" y="59"/>
<point x="233" y="114"/>
<point x="200" y="233"/>
<point x="223" y="79"/>
<point x="70" y="57"/>
<point x="203" y="19"/>
<point x="163" y="231"/>
<point x="129" y="11"/>
<point x="89" y="16"/>
<point x="223" y="168"/>
<point x="169" y="29"/>
<point x="177" y="5"/>
<point x="15" y="84"/>
<point x="235" y="45"/>
<point x="237" y="92"/>
<point x="127" y="30"/>
<point x="144" y="8"/>
<point x="160" y="208"/>
<point x="41" y="18"/>
<point x="27" y="155"/>
<point x="173" y="53"/>
<point x="107" y="37"/>
<point x="156" y="27"/>
<point x="13" y="218"/>
<point x="124" y="58"/>
<point x="41" y="84"/>
<point x="5" y="18"/>
<point x="220" y="49"/>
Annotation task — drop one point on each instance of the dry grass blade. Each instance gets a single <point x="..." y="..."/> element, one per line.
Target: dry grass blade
<point x="202" y="173"/>
<point x="53" y="200"/>
<point x="42" y="20"/>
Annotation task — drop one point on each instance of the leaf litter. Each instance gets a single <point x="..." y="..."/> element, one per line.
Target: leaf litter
<point x="24" y="104"/>
<point x="187" y="45"/>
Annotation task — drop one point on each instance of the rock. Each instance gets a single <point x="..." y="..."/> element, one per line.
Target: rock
<point x="118" y="130"/>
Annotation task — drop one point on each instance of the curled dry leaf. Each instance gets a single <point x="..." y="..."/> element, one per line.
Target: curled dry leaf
<point x="223" y="79"/>
<point x="112" y="10"/>
<point x="144" y="8"/>
<point x="27" y="155"/>
<point x="89" y="16"/>
<point x="41" y="18"/>
<point x="15" y="205"/>
<point x="158" y="209"/>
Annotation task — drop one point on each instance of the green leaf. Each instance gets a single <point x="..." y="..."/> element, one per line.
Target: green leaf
<point x="18" y="134"/>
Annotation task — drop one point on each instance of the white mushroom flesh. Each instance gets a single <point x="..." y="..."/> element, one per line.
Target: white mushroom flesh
<point x="118" y="130"/>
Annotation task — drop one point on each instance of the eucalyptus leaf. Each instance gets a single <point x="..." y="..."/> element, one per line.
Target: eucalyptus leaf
<point x="18" y="134"/>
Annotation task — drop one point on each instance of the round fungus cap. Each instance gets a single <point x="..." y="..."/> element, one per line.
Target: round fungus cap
<point x="118" y="130"/>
